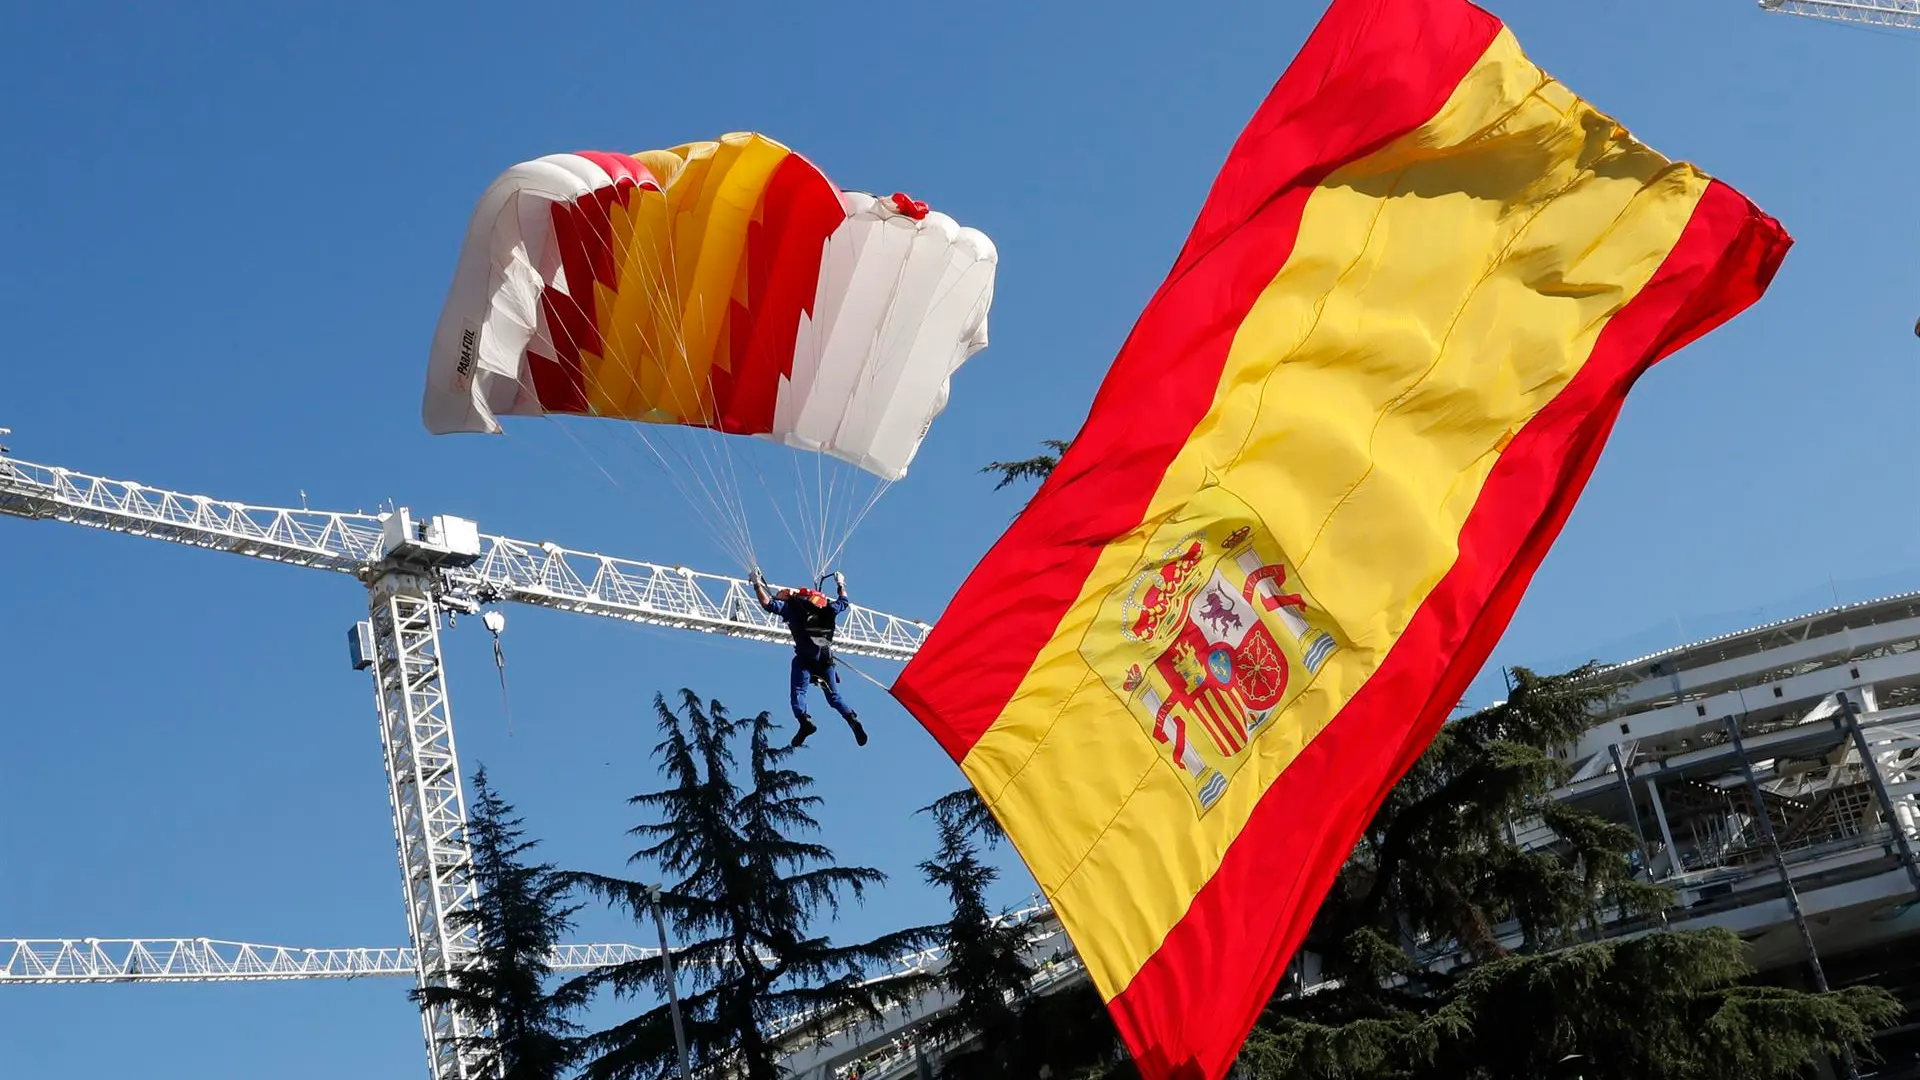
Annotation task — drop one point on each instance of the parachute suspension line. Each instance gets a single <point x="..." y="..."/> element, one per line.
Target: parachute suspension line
<point x="740" y="501"/>
<point x="824" y="492"/>
<point x="731" y="538"/>
<point x="724" y="540"/>
<point x="710" y="518"/>
<point x="727" y="510"/>
<point x="724" y="514"/>
<point x="727" y="483"/>
<point x="835" y="517"/>
<point x="661" y="277"/>
<point x="777" y="511"/>
<point x="847" y="499"/>
<point x="804" y="507"/>
<point x="838" y="659"/>
<point x="880" y="488"/>
<point x="719" y="536"/>
<point x="801" y="508"/>
<point x="819" y="566"/>
<point x="840" y="518"/>
<point x="727" y="456"/>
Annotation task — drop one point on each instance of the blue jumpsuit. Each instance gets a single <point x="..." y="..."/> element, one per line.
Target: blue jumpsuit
<point x="812" y="629"/>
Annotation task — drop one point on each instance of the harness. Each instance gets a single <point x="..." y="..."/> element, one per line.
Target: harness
<point x="811" y="622"/>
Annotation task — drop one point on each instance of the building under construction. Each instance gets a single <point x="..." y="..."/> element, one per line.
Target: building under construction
<point x="1770" y="776"/>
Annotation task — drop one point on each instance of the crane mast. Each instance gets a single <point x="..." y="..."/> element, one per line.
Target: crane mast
<point x="428" y="799"/>
<point x="416" y="574"/>
<point x="1899" y="13"/>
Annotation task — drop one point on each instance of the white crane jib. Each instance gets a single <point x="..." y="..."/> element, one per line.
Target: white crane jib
<point x="1902" y="13"/>
<point x="414" y="572"/>
<point x="104" y="960"/>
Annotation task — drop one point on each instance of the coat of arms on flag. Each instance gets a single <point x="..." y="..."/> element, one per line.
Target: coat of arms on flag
<point x="1208" y="639"/>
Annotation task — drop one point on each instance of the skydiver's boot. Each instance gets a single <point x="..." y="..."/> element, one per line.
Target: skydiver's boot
<point x="859" y="733"/>
<point x="806" y="728"/>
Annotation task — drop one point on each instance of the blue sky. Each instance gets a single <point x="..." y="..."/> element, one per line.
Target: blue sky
<point x="230" y="230"/>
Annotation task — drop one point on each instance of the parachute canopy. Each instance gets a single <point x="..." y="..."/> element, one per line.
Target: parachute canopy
<point x="725" y="285"/>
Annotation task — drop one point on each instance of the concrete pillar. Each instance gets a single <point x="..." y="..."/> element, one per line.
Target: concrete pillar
<point x="1666" y="831"/>
<point x="1633" y="808"/>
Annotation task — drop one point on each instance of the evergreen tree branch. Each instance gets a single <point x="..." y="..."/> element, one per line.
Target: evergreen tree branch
<point x="1038" y="467"/>
<point x="524" y="1030"/>
<point x="969" y="813"/>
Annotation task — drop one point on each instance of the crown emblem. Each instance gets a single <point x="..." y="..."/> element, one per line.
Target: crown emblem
<point x="1159" y="599"/>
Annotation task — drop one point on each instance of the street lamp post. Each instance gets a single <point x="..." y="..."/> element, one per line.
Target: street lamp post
<point x="673" y="983"/>
<point x="1849" y="1068"/>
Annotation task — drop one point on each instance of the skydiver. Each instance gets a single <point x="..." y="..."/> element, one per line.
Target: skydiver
<point x="810" y="617"/>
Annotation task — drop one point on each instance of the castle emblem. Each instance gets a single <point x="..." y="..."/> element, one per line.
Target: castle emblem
<point x="1208" y="640"/>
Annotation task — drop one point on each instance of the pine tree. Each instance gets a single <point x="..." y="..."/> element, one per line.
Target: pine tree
<point x="968" y="812"/>
<point x="1038" y="467"/>
<point x="1437" y="872"/>
<point x="519" y="914"/>
<point x="746" y="893"/>
<point x="985" y="972"/>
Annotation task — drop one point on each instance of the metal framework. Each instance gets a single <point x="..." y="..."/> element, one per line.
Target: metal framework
<point x="1900" y="13"/>
<point x="506" y="570"/>
<point x="414" y="574"/>
<point x="429" y="806"/>
<point x="172" y="960"/>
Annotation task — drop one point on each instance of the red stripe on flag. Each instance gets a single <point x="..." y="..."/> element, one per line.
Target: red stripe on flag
<point x="1220" y="720"/>
<point x="1189" y="1009"/>
<point x="1372" y="71"/>
<point x="1236" y="716"/>
<point x="1217" y="732"/>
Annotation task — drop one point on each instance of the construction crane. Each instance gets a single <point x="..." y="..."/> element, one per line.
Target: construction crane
<point x="418" y="574"/>
<point x="1904" y="14"/>
<point x="1901" y="13"/>
<point x="104" y="960"/>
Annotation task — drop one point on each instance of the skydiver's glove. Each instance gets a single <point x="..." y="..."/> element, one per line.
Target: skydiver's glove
<point x="840" y="579"/>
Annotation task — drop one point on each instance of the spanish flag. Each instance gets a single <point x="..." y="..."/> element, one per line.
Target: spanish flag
<point x="1309" y="495"/>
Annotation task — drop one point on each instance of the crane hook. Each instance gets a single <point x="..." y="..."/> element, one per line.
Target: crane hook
<point x="495" y="622"/>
